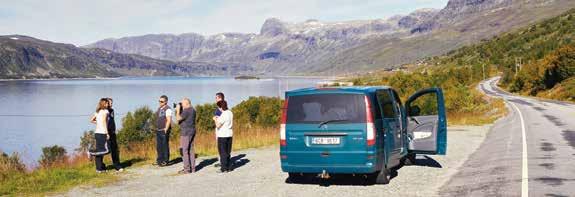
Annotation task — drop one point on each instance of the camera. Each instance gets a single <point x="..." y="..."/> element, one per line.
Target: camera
<point x="178" y="104"/>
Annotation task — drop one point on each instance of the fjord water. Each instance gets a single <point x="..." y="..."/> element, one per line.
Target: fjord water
<point x="34" y="114"/>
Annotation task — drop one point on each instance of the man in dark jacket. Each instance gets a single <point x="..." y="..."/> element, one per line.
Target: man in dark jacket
<point x="219" y="97"/>
<point x="163" y="125"/>
<point x="112" y="142"/>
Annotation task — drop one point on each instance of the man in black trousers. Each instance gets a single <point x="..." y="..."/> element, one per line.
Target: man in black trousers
<point x="163" y="125"/>
<point x="112" y="142"/>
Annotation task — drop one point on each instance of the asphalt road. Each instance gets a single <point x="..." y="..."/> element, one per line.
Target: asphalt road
<point x="531" y="152"/>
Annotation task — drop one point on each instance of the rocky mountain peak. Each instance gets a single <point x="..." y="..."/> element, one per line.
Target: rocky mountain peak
<point x="458" y="8"/>
<point x="273" y="27"/>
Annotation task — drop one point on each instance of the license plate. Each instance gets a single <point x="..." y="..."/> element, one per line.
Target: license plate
<point x="325" y="140"/>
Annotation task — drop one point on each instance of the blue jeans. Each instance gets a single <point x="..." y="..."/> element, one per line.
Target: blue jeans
<point x="163" y="147"/>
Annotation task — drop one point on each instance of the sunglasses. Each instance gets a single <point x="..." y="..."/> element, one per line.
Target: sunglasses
<point x="162" y="101"/>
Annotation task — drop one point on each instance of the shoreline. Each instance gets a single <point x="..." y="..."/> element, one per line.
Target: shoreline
<point x="128" y="77"/>
<point x="56" y="79"/>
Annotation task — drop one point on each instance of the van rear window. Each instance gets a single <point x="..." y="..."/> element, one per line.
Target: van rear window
<point x="317" y="108"/>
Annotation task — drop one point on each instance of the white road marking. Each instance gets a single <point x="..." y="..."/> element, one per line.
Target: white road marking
<point x="524" y="167"/>
<point x="524" y="162"/>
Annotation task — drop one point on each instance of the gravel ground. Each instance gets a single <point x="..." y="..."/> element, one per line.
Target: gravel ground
<point x="258" y="173"/>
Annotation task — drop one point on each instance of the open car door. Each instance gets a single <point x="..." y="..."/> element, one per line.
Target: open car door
<point x="427" y="122"/>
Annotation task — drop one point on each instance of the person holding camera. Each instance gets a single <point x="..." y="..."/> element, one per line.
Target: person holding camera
<point x="186" y="116"/>
<point x="163" y="125"/>
<point x="224" y="133"/>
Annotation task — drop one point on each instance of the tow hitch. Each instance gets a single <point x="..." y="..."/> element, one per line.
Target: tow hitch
<point x="324" y="175"/>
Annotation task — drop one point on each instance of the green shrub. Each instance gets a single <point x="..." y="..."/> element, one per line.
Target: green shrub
<point x="10" y="165"/>
<point x="204" y="115"/>
<point x="258" y="111"/>
<point x="52" y="155"/>
<point x="137" y="126"/>
<point x="544" y="74"/>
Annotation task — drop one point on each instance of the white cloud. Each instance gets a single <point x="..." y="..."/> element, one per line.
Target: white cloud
<point x="83" y="21"/>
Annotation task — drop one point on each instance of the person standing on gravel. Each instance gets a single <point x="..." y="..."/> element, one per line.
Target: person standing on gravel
<point x="187" y="121"/>
<point x="224" y="133"/>
<point x="163" y="125"/>
<point x="112" y="142"/>
<point x="101" y="134"/>
<point x="219" y="97"/>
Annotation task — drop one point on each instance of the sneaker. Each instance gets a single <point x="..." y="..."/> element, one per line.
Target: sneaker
<point x="184" y="172"/>
<point x="100" y="171"/>
<point x="120" y="170"/>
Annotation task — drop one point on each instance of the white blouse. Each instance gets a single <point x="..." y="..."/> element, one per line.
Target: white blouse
<point x="226" y="119"/>
<point x="101" y="119"/>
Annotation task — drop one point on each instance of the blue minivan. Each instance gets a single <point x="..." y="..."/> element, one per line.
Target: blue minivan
<point x="359" y="130"/>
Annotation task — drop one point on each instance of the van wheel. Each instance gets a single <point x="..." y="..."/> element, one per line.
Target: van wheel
<point x="383" y="176"/>
<point x="409" y="159"/>
<point x="294" y="177"/>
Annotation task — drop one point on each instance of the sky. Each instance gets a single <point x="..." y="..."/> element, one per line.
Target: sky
<point x="82" y="22"/>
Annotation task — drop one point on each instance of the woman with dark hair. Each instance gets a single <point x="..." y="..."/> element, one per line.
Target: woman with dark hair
<point x="100" y="118"/>
<point x="224" y="132"/>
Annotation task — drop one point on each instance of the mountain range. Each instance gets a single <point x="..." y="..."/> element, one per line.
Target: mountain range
<point x="23" y="57"/>
<point x="311" y="47"/>
<point x="320" y="48"/>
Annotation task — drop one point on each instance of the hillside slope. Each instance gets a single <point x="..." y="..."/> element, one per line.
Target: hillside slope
<point x="538" y="60"/>
<point x="460" y="27"/>
<point x="319" y="48"/>
<point x="23" y="57"/>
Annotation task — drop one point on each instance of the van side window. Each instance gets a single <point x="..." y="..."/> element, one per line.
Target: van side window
<point x="427" y="105"/>
<point x="377" y="110"/>
<point x="397" y="101"/>
<point x="386" y="104"/>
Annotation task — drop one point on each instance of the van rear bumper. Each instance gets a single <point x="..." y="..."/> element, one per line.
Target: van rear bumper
<point x="341" y="169"/>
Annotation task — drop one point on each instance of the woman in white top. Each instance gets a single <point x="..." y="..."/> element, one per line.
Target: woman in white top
<point x="100" y="118"/>
<point x="224" y="132"/>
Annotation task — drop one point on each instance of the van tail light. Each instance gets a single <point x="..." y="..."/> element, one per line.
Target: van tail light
<point x="283" y="124"/>
<point x="370" y="126"/>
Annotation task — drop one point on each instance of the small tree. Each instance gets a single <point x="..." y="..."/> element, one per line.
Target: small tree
<point x="204" y="115"/>
<point x="136" y="126"/>
<point x="87" y="142"/>
<point x="52" y="155"/>
<point x="9" y="164"/>
<point x="258" y="111"/>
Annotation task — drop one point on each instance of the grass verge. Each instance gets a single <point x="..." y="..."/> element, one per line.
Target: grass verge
<point x="79" y="170"/>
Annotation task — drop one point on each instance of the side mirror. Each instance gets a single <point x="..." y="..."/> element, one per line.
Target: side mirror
<point x="414" y="110"/>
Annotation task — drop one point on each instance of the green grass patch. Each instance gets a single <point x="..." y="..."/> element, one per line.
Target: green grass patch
<point x="44" y="181"/>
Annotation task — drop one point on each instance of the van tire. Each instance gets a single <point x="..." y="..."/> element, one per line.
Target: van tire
<point x="383" y="176"/>
<point x="409" y="159"/>
<point x="295" y="177"/>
